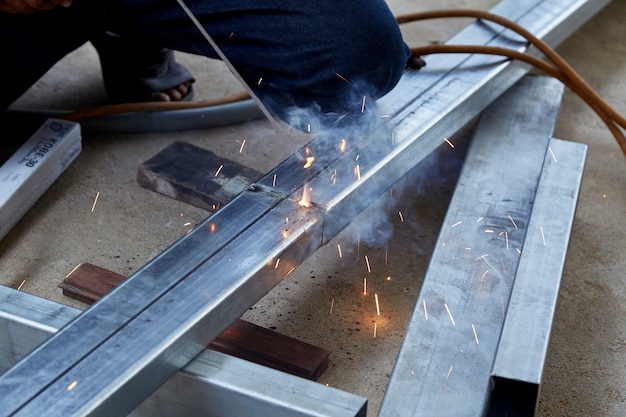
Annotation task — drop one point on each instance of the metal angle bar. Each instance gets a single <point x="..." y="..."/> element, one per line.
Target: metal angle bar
<point x="212" y="384"/>
<point x="447" y="104"/>
<point x="445" y="362"/>
<point x="524" y="342"/>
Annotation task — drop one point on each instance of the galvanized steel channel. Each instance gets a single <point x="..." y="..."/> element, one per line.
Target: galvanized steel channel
<point x="130" y="342"/>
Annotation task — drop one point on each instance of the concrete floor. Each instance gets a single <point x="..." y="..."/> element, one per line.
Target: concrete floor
<point x="585" y="373"/>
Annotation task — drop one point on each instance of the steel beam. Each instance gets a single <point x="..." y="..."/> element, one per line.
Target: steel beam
<point x="448" y="351"/>
<point x="130" y="342"/>
<point x="523" y="344"/>
<point x="211" y="385"/>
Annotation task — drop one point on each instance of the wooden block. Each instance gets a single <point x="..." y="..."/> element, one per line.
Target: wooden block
<point x="88" y="282"/>
<point x="194" y="175"/>
<point x="244" y="340"/>
<point x="266" y="347"/>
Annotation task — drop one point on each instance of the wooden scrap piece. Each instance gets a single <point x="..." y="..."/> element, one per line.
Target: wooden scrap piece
<point x="244" y="340"/>
<point x="194" y="175"/>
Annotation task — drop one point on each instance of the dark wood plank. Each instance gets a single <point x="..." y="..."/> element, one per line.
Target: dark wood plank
<point x="88" y="282"/>
<point x="194" y="175"/>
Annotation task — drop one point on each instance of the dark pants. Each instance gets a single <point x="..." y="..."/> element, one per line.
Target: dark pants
<point x="328" y="53"/>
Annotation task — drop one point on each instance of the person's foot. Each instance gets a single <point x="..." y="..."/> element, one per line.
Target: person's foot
<point x="176" y="93"/>
<point x="138" y="72"/>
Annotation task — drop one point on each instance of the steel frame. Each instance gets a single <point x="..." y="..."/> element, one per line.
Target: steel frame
<point x="133" y="340"/>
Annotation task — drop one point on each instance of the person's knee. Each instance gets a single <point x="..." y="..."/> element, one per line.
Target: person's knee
<point x="367" y="60"/>
<point x="378" y="57"/>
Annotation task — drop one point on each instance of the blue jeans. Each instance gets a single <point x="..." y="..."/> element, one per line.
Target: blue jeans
<point x="324" y="53"/>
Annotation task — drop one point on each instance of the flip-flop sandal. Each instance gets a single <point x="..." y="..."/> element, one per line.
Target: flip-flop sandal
<point x="132" y="72"/>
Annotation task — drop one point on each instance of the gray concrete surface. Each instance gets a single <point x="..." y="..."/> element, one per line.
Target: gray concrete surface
<point x="585" y="373"/>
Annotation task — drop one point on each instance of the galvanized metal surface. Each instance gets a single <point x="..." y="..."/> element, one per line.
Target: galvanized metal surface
<point x="524" y="342"/>
<point x="448" y="351"/>
<point x="523" y="345"/>
<point x="186" y="296"/>
<point x="213" y="384"/>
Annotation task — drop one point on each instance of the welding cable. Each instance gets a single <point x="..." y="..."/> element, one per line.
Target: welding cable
<point x="559" y="68"/>
<point x="149" y="106"/>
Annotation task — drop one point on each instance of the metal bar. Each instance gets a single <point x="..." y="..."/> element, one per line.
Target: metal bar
<point x="524" y="342"/>
<point x="217" y="385"/>
<point x="173" y="328"/>
<point x="447" y="355"/>
<point x="213" y="384"/>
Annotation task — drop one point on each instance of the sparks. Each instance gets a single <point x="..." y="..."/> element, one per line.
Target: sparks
<point x="22" y="284"/>
<point x="367" y="262"/>
<point x="448" y="142"/>
<point x="377" y="305"/>
<point x="425" y="310"/>
<point x="481" y="257"/>
<point x="475" y="334"/>
<point x="489" y="230"/>
<point x="309" y="161"/>
<point x="401" y="217"/>
<point x="512" y="221"/>
<point x="449" y="314"/>
<point x="332" y="303"/>
<point x="364" y="286"/>
<point x="449" y="372"/>
<point x="363" y="105"/>
<point x="484" y="275"/>
<point x="212" y="228"/>
<point x="552" y="153"/>
<point x="357" y="172"/>
<point x="342" y="78"/>
<point x="386" y="257"/>
<point x="457" y="223"/>
<point x="506" y="240"/>
<point x="95" y="201"/>
<point x="277" y="263"/>
<point x="72" y="385"/>
<point x="543" y="236"/>
<point x="243" y="143"/>
<point x="305" y="201"/>
<point x="342" y="146"/>
<point x="375" y="328"/>
<point x="339" y="250"/>
<point x="219" y="170"/>
<point x="480" y="219"/>
<point x="274" y="181"/>
<point x="260" y="81"/>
